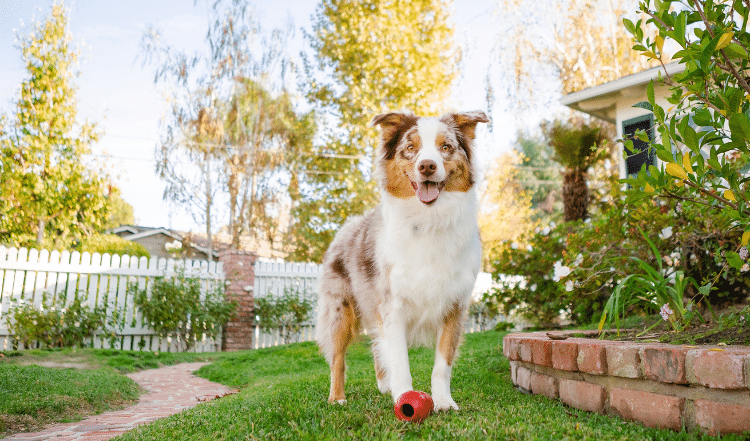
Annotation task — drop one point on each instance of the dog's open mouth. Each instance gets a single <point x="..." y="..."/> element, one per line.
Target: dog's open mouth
<point x="428" y="191"/>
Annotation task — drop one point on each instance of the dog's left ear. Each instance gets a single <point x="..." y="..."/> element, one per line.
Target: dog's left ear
<point x="466" y="122"/>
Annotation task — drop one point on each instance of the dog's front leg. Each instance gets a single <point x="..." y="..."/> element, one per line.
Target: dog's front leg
<point x="395" y="352"/>
<point x="448" y="339"/>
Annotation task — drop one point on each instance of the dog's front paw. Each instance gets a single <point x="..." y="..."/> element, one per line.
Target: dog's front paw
<point x="444" y="403"/>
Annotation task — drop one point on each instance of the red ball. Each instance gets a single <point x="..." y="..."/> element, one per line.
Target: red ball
<point x="413" y="406"/>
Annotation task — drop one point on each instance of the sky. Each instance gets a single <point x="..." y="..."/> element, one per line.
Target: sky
<point x="117" y="91"/>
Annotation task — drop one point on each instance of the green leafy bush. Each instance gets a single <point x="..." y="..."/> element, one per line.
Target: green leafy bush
<point x="173" y="308"/>
<point x="54" y="325"/>
<point x="571" y="269"/>
<point x="112" y="244"/>
<point x="287" y="313"/>
<point x="703" y="139"/>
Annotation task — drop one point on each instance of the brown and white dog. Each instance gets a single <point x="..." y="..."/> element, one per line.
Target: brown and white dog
<point x="405" y="270"/>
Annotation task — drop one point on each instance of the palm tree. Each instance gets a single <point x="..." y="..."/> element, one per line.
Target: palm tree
<point x="578" y="146"/>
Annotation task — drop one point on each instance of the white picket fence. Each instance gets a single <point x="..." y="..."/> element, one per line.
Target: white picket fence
<point x="276" y="279"/>
<point x="102" y="280"/>
<point x="31" y="276"/>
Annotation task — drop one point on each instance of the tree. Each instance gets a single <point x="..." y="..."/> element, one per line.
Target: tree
<point x="507" y="211"/>
<point x="581" y="42"/>
<point x="49" y="195"/>
<point x="233" y="120"/>
<point x="372" y="57"/>
<point x="264" y="138"/>
<point x="578" y="146"/>
<point x="539" y="174"/>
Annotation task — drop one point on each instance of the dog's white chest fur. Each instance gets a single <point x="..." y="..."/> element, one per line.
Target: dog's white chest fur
<point x="433" y="255"/>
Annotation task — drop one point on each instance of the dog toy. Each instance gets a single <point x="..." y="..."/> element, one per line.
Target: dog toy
<point x="413" y="406"/>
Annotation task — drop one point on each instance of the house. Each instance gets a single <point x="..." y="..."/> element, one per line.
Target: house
<point x="613" y="102"/>
<point x="161" y="242"/>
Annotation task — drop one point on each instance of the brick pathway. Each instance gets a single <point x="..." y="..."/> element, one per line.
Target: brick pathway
<point x="170" y="390"/>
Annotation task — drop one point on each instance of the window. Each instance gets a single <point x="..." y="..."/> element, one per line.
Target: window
<point x="641" y="154"/>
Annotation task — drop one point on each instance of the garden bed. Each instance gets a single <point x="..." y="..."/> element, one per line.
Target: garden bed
<point x="666" y="386"/>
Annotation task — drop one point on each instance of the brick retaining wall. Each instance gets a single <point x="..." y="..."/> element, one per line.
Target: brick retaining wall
<point x="667" y="386"/>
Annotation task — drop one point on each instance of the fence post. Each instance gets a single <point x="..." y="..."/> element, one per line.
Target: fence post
<point x="239" y="270"/>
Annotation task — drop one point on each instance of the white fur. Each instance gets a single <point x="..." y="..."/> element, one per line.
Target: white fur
<point x="428" y="129"/>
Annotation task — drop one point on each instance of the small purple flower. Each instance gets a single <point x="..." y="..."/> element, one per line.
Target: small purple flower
<point x="665" y="312"/>
<point x="743" y="253"/>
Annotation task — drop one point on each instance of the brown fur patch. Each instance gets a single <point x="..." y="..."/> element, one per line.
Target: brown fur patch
<point x="342" y="337"/>
<point x="397" y="183"/>
<point x="459" y="172"/>
<point x="450" y="337"/>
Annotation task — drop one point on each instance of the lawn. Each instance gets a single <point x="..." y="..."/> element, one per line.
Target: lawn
<point x="284" y="390"/>
<point x="32" y="396"/>
<point x="284" y="393"/>
<point x="41" y="387"/>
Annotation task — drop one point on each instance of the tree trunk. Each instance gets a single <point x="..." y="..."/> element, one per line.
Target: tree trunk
<point x="575" y="195"/>
<point x="40" y="234"/>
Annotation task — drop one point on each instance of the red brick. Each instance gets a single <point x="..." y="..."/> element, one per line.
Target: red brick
<point x="665" y="364"/>
<point x="544" y="385"/>
<point x="525" y="349"/>
<point x="653" y="410"/>
<point x="513" y="368"/>
<point x="541" y="352"/>
<point x="511" y="347"/>
<point x="582" y="395"/>
<point x="565" y="355"/>
<point x="624" y="361"/>
<point x="722" y="369"/>
<point x="523" y="378"/>
<point x="592" y="358"/>
<point x="720" y="418"/>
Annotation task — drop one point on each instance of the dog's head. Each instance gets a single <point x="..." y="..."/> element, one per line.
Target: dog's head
<point x="423" y="157"/>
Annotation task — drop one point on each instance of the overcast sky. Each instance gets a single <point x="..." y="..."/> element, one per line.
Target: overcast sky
<point x="117" y="91"/>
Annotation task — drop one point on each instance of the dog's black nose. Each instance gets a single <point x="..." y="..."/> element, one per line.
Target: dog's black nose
<point x="427" y="167"/>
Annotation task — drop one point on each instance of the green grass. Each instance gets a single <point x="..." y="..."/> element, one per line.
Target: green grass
<point x="285" y="389"/>
<point x="44" y="386"/>
<point x="32" y="396"/>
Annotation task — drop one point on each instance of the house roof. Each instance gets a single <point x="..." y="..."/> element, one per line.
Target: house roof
<point x="141" y="232"/>
<point x="601" y="101"/>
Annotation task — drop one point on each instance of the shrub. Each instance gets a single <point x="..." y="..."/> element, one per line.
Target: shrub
<point x="574" y="267"/>
<point x="173" y="308"/>
<point x="703" y="140"/>
<point x="112" y="244"/>
<point x="55" y="324"/>
<point x="288" y="313"/>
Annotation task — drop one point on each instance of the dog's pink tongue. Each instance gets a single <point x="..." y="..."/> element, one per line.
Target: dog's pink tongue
<point x="427" y="191"/>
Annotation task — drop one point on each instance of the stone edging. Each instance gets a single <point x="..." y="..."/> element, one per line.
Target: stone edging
<point x="660" y="385"/>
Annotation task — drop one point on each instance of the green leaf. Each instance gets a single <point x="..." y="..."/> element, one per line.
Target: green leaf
<point x="650" y="94"/>
<point x="739" y="125"/>
<point x="707" y="53"/>
<point x="734" y="50"/>
<point x="734" y="260"/>
<point x="644" y="105"/>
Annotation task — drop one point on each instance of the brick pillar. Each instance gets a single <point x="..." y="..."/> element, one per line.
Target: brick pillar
<point x="239" y="270"/>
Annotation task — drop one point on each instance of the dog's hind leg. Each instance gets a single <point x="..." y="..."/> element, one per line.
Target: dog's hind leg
<point x="342" y="336"/>
<point x="335" y="329"/>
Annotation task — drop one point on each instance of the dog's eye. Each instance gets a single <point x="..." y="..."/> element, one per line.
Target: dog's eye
<point x="410" y="147"/>
<point x="446" y="148"/>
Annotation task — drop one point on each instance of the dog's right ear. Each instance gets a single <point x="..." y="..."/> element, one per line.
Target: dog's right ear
<point x="392" y="126"/>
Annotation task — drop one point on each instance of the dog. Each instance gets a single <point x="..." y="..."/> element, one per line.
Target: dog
<point x="404" y="271"/>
